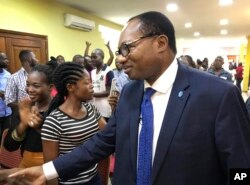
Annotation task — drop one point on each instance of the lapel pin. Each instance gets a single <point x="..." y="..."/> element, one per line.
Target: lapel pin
<point x="180" y="94"/>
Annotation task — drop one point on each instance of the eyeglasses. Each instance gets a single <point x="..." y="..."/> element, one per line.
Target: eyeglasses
<point x="124" y="50"/>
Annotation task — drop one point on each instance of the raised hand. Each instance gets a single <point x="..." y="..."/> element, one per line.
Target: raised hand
<point x="107" y="44"/>
<point x="88" y="44"/>
<point x="25" y="113"/>
<point x="36" y="118"/>
<point x="29" y="114"/>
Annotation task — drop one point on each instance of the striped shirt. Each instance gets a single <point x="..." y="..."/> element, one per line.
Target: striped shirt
<point x="70" y="133"/>
<point x="15" y="88"/>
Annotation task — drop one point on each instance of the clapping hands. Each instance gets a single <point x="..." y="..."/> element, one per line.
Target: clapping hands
<point x="29" y="114"/>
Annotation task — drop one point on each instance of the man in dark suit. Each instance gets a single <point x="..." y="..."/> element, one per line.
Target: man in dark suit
<point x="201" y="127"/>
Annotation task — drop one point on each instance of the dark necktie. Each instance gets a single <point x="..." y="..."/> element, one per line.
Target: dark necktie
<point x="146" y="140"/>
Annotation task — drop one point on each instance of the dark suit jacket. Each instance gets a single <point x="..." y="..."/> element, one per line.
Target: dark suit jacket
<point x="205" y="132"/>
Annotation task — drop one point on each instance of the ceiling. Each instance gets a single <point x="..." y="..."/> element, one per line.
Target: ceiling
<point x="204" y="14"/>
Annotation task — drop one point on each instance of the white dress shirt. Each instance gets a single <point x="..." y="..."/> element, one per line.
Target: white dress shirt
<point x="163" y="86"/>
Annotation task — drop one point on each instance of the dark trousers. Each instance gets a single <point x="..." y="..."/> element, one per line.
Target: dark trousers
<point x="238" y="83"/>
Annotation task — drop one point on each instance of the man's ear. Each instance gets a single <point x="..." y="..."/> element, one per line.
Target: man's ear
<point x="162" y="41"/>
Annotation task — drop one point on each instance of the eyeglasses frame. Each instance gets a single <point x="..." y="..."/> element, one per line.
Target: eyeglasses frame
<point x="130" y="43"/>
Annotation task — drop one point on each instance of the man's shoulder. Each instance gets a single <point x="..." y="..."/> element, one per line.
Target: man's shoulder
<point x="106" y="68"/>
<point x="5" y="74"/>
<point x="17" y="73"/>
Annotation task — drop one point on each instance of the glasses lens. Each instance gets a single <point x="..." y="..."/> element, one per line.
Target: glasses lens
<point x="124" y="50"/>
<point x="117" y="52"/>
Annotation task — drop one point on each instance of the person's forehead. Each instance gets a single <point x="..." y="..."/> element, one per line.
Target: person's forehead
<point x="3" y="55"/>
<point x="32" y="54"/>
<point x="130" y="31"/>
<point x="37" y="76"/>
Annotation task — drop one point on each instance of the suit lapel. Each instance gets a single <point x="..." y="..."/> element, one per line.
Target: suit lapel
<point x="175" y="107"/>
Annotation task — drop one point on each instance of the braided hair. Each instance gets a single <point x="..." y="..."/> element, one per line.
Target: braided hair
<point x="66" y="73"/>
<point x="46" y="69"/>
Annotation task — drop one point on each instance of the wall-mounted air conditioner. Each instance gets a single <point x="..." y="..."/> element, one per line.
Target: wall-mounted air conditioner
<point x="73" y="21"/>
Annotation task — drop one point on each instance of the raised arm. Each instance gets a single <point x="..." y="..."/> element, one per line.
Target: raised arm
<point x="86" y="52"/>
<point x="111" y="55"/>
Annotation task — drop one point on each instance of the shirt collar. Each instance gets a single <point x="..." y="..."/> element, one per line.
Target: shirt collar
<point x="166" y="80"/>
<point x="24" y="72"/>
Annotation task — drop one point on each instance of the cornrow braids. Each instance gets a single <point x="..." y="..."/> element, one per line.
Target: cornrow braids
<point x="68" y="72"/>
<point x="46" y="69"/>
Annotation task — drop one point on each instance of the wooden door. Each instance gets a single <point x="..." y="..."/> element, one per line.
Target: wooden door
<point x="13" y="42"/>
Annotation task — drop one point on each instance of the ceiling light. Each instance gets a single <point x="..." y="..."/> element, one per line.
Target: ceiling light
<point x="188" y="25"/>
<point x="225" y="2"/>
<point x="223" y="22"/>
<point x="223" y="32"/>
<point x="196" y="34"/>
<point x="172" y="7"/>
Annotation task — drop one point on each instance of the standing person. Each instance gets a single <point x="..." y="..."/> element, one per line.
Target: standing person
<point x="16" y="85"/>
<point x="79" y="59"/>
<point x="88" y="64"/>
<point x="111" y="55"/>
<point x="219" y="71"/>
<point x="101" y="79"/>
<point x="239" y="75"/>
<point x="205" y="64"/>
<point x="15" y="88"/>
<point x="27" y="134"/>
<point x="5" y="111"/>
<point x="200" y="123"/>
<point x="199" y="65"/>
<point x="60" y="59"/>
<point x="120" y="76"/>
<point x="4" y="59"/>
<point x="73" y="121"/>
<point x="187" y="60"/>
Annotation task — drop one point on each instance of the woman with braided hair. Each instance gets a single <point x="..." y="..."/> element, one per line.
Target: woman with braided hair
<point x="27" y="134"/>
<point x="71" y="120"/>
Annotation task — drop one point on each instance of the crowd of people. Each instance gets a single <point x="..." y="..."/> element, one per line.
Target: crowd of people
<point x="49" y="109"/>
<point x="170" y="122"/>
<point x="216" y="68"/>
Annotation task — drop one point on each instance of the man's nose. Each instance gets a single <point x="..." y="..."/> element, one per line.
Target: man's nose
<point x="121" y="59"/>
